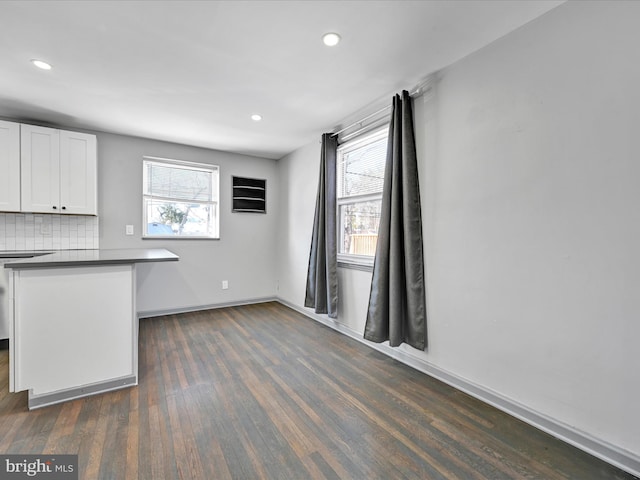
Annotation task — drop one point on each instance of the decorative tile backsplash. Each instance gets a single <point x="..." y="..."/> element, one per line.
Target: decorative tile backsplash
<point x="35" y="231"/>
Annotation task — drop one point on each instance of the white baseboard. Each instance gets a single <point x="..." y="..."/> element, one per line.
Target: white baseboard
<point x="174" y="311"/>
<point x="618" y="457"/>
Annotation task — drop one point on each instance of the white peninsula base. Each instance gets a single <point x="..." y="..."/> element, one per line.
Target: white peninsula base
<point x="75" y="332"/>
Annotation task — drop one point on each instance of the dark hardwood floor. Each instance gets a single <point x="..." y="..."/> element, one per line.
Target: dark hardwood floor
<point x="261" y="391"/>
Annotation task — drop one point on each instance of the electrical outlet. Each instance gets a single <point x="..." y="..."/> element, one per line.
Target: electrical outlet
<point x="128" y="230"/>
<point x="225" y="284"/>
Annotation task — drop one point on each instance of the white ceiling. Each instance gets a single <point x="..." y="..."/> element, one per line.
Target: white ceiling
<point x="193" y="72"/>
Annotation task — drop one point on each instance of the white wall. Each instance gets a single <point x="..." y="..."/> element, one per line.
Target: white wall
<point x="243" y="255"/>
<point x="533" y="257"/>
<point x="298" y="178"/>
<point x="529" y="177"/>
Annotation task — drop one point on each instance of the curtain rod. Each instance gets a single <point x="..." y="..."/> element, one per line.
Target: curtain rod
<point x="360" y="121"/>
<point x="419" y="90"/>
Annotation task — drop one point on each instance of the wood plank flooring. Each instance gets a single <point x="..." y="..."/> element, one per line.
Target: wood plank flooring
<point x="262" y="392"/>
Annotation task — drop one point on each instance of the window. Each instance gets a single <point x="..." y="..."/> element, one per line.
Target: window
<point x="180" y="199"/>
<point x="360" y="164"/>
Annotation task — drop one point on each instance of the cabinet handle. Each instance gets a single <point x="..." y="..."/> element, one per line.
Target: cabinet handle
<point x="54" y="207"/>
<point x="64" y="208"/>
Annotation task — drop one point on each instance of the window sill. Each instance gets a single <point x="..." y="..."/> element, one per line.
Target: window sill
<point x="365" y="263"/>
<point x="176" y="237"/>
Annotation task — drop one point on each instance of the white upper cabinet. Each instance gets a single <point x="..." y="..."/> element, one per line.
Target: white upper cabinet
<point x="9" y="166"/>
<point x="78" y="175"/>
<point x="40" y="160"/>
<point x="59" y="171"/>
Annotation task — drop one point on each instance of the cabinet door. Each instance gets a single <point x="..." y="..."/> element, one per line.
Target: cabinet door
<point x="9" y="167"/>
<point x="78" y="176"/>
<point x="40" y="168"/>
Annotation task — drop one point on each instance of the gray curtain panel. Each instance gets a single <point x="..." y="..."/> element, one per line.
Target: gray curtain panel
<point x="397" y="304"/>
<point x="322" y="275"/>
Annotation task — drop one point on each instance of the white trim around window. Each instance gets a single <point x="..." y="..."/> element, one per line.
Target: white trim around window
<point x="180" y="199"/>
<point x="360" y="175"/>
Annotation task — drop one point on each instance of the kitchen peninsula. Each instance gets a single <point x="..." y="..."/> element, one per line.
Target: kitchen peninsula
<point x="73" y="322"/>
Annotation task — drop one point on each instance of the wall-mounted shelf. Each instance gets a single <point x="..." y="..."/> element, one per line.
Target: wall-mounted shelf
<point x="249" y="195"/>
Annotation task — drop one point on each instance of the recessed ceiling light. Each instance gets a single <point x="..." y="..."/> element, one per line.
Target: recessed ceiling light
<point x="331" y="39"/>
<point x="256" y="117"/>
<point x="41" y="64"/>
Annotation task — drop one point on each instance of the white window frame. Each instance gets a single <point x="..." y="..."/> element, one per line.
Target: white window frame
<point x="351" y="260"/>
<point x="214" y="203"/>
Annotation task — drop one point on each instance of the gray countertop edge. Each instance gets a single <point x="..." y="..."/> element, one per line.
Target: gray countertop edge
<point x="81" y="258"/>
